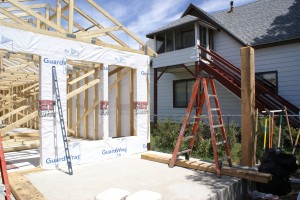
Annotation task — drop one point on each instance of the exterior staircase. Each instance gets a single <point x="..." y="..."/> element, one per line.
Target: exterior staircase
<point x="230" y="76"/>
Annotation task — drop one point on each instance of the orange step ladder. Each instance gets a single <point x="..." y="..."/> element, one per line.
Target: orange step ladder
<point x="199" y="95"/>
<point x="4" y="174"/>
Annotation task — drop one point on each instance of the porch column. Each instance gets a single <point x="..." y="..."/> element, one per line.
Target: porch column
<point x="155" y="97"/>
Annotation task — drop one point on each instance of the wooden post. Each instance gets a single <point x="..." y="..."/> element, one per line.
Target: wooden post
<point x="58" y="13"/>
<point x="47" y="16"/>
<point x="96" y="110"/>
<point x="71" y="15"/>
<point x="118" y="105"/>
<point x="155" y="97"/>
<point x="69" y="104"/>
<point x="86" y="107"/>
<point x="248" y="106"/>
<point x="132" y="72"/>
<point x="77" y="106"/>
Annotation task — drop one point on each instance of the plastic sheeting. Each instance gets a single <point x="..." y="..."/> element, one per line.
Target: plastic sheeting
<point x="33" y="43"/>
<point x="55" y="52"/>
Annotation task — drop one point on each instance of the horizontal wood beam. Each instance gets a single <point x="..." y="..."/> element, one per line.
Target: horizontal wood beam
<point x="111" y="86"/>
<point x="95" y="33"/>
<point x="82" y="88"/>
<point x="208" y="167"/>
<point x="81" y="77"/>
<point x="19" y="122"/>
<point x="13" y="112"/>
<point x="37" y="16"/>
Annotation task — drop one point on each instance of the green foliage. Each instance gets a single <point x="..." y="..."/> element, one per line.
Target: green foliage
<point x="164" y="138"/>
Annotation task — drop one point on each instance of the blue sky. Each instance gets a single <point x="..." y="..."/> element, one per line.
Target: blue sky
<point x="145" y="16"/>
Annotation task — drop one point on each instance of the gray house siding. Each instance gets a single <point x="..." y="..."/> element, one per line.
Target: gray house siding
<point x="182" y="56"/>
<point x="229" y="103"/>
<point x="227" y="47"/>
<point x="285" y="59"/>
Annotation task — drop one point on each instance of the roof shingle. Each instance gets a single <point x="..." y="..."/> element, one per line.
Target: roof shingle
<point x="262" y="21"/>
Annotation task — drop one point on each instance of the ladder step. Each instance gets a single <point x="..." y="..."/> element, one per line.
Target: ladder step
<point x="221" y="142"/>
<point x="184" y="151"/>
<point x="212" y="95"/>
<point x="188" y="137"/>
<point x="218" y="126"/>
<point x="215" y="109"/>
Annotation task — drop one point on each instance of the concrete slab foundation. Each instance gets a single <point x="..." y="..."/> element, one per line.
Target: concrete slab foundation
<point x="134" y="174"/>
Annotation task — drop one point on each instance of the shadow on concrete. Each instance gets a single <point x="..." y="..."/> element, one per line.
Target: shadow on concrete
<point x="224" y="188"/>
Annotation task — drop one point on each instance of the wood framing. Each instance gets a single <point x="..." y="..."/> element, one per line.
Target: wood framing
<point x="209" y="167"/>
<point x="248" y="106"/>
<point x="47" y="19"/>
<point x="20" y="87"/>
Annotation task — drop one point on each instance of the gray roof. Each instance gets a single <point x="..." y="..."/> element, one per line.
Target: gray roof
<point x="262" y="21"/>
<point x="181" y="21"/>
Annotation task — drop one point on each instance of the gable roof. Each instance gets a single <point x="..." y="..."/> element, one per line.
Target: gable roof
<point x="187" y="19"/>
<point x="257" y="23"/>
<point x="262" y="21"/>
<point x="181" y="21"/>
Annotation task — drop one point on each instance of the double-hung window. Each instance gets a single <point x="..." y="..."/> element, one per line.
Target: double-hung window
<point x="182" y="91"/>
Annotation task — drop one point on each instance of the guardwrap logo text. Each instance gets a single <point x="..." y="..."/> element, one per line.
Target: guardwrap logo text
<point x="46" y="108"/>
<point x="141" y="107"/>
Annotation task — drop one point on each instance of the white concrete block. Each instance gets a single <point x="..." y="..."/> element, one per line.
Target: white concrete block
<point x="112" y="194"/>
<point x="145" y="195"/>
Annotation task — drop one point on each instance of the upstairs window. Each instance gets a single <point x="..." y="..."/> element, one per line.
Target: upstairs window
<point x="269" y="79"/>
<point x="188" y="39"/>
<point x="160" y="43"/>
<point x="182" y="91"/>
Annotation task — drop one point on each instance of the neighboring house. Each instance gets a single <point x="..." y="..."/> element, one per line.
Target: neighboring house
<point x="272" y="28"/>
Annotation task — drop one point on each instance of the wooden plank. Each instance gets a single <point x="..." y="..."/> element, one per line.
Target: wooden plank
<point x="82" y="88"/>
<point x="99" y="32"/>
<point x="3" y="97"/>
<point x="114" y="71"/>
<point x="208" y="167"/>
<point x="70" y="105"/>
<point x="71" y="16"/>
<point x="118" y="79"/>
<point x="64" y="17"/>
<point x="64" y="36"/>
<point x="80" y="118"/>
<point x="96" y="110"/>
<point x="32" y="6"/>
<point x="97" y="24"/>
<point x="86" y="107"/>
<point x="118" y="106"/>
<point x="77" y="106"/>
<point x="81" y="77"/>
<point x="106" y="14"/>
<point x="131" y="101"/>
<point x="47" y="16"/>
<point x="22" y="188"/>
<point x="248" y="106"/>
<point x="13" y="17"/>
<point x="19" y="122"/>
<point x="37" y="16"/>
<point x="58" y="13"/>
<point x="15" y="111"/>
